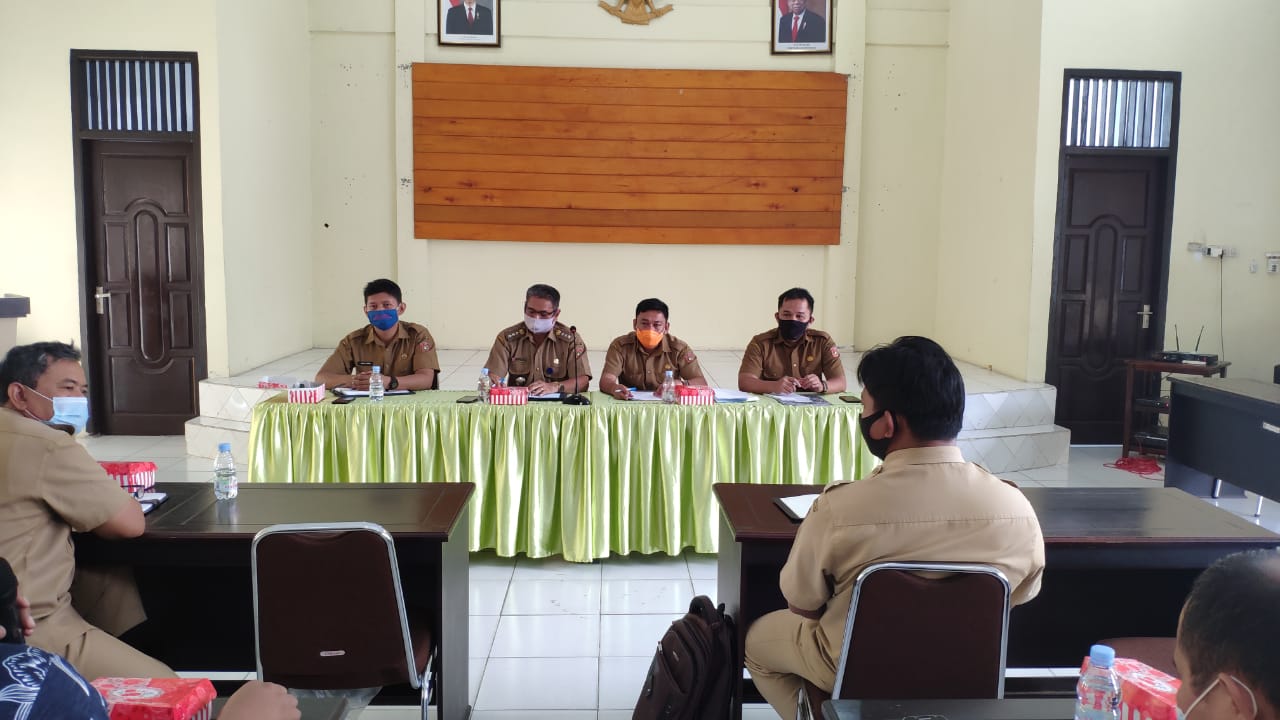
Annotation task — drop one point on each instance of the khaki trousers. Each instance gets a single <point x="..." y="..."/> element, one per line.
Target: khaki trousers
<point x="782" y="652"/>
<point x="105" y="602"/>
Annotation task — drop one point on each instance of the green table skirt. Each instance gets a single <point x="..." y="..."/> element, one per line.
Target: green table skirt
<point x="581" y="481"/>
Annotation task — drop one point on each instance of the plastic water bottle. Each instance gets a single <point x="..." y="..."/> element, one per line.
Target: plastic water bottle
<point x="1098" y="693"/>
<point x="375" y="384"/>
<point x="484" y="385"/>
<point x="225" y="484"/>
<point x="668" y="391"/>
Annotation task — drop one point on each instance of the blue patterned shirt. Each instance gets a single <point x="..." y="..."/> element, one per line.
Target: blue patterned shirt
<point x="36" y="685"/>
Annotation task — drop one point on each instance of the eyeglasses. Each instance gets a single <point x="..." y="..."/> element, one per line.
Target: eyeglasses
<point x="540" y="314"/>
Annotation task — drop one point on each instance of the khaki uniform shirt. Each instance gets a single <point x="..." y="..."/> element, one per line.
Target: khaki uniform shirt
<point x="411" y="350"/>
<point x="515" y="356"/>
<point x="769" y="357"/>
<point x="922" y="504"/>
<point x="644" y="369"/>
<point x="49" y="486"/>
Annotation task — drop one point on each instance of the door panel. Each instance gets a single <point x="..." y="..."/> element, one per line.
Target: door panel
<point x="145" y="256"/>
<point x="1107" y="260"/>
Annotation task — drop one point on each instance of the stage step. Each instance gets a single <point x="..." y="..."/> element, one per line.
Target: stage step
<point x="204" y="433"/>
<point x="1016" y="448"/>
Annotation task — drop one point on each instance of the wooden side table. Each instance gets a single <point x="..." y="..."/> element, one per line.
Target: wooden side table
<point x="1150" y="440"/>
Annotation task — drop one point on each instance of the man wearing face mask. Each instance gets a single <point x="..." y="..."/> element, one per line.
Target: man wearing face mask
<point x="925" y="503"/>
<point x="405" y="351"/>
<point x="792" y="356"/>
<point x="1228" y="645"/>
<point x="540" y="353"/>
<point x="640" y="359"/>
<point x="49" y="487"/>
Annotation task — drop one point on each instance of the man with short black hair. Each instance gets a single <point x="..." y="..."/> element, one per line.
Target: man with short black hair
<point x="792" y="356"/>
<point x="49" y="487"/>
<point x="1228" y="648"/>
<point x="640" y="359"/>
<point x="541" y="352"/>
<point x="924" y="504"/>
<point x="405" y="351"/>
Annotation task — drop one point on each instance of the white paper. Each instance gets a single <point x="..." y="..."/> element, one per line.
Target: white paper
<point x="644" y="396"/>
<point x="348" y="392"/>
<point x="799" y="504"/>
<point x="548" y="396"/>
<point x="725" y="395"/>
<point x="796" y="398"/>
<point x="153" y="497"/>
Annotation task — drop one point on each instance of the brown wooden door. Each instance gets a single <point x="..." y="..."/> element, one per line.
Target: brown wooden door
<point x="145" y="258"/>
<point x="1107" y="272"/>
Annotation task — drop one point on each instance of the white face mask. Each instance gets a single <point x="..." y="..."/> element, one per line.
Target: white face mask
<point x="538" y="326"/>
<point x="1182" y="715"/>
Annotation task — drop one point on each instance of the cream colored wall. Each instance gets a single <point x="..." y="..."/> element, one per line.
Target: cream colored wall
<point x="904" y="119"/>
<point x="37" y="182"/>
<point x="467" y="291"/>
<point x="265" y="120"/>
<point x="1228" y="174"/>
<point x="984" y="247"/>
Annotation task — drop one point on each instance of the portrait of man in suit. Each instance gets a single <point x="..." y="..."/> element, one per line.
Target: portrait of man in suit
<point x="801" y="23"/>
<point x="468" y="18"/>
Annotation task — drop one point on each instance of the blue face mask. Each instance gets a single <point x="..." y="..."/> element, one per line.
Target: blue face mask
<point x="67" y="410"/>
<point x="383" y="319"/>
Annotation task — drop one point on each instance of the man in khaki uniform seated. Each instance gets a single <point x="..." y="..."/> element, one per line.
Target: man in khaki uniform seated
<point x="540" y="353"/>
<point x="792" y="356"/>
<point x="50" y="486"/>
<point x="405" y="351"/>
<point x="925" y="503"/>
<point x="641" y="358"/>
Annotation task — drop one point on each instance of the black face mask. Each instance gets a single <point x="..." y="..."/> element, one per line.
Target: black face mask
<point x="792" y="330"/>
<point x="880" y="447"/>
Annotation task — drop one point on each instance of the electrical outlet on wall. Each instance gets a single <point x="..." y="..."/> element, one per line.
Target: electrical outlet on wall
<point x="1273" y="263"/>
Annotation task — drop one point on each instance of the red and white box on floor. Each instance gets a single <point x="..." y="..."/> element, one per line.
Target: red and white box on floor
<point x="134" y="477"/>
<point x="695" y="395"/>
<point x="509" y="396"/>
<point x="157" y="698"/>
<point x="1145" y="692"/>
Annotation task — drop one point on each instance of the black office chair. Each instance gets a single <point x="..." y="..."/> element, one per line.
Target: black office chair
<point x="329" y="613"/>
<point x="909" y="636"/>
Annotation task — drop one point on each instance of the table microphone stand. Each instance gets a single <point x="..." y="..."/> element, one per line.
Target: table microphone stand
<point x="576" y="398"/>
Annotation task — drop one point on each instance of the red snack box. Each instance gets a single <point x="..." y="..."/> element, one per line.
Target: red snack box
<point x="310" y="393"/>
<point x="509" y="396"/>
<point x="695" y="395"/>
<point x="157" y="698"/>
<point x="134" y="477"/>
<point x="1145" y="693"/>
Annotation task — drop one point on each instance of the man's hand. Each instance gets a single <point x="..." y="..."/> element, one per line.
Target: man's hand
<point x="811" y="382"/>
<point x="257" y="700"/>
<point x="786" y="385"/>
<point x="543" y="388"/>
<point x="360" y="381"/>
<point x="24" y="617"/>
<point x="622" y="393"/>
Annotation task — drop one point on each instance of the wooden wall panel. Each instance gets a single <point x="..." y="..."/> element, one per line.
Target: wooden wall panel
<point x="635" y="156"/>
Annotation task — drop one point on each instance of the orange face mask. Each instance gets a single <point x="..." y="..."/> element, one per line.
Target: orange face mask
<point x="649" y="338"/>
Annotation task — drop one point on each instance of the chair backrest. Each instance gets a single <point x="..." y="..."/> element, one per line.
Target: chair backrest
<point x="328" y="609"/>
<point x="910" y="636"/>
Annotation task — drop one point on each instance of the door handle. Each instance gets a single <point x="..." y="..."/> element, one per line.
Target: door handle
<point x="1145" y="312"/>
<point x="100" y="296"/>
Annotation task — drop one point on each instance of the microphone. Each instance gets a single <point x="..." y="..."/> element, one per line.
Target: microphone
<point x="9" y="618"/>
<point x="575" y="398"/>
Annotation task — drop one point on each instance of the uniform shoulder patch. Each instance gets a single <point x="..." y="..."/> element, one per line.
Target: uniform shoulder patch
<point x="689" y="357"/>
<point x="425" y="346"/>
<point x="515" y="334"/>
<point x="835" y="351"/>
<point x="579" y="350"/>
<point x="564" y="334"/>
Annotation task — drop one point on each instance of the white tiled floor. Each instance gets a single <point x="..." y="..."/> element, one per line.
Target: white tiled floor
<point x="551" y="639"/>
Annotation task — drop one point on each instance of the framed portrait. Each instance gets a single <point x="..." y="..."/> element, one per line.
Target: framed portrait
<point x="801" y="26"/>
<point x="470" y="22"/>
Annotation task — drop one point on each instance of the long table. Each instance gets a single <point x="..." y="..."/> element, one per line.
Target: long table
<point x="1118" y="562"/>
<point x="581" y="481"/>
<point x="193" y="567"/>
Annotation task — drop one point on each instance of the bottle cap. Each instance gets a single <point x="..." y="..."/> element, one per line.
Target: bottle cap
<point x="377" y="368"/>
<point x="1102" y="656"/>
<point x="484" y="371"/>
<point x="224" y="447"/>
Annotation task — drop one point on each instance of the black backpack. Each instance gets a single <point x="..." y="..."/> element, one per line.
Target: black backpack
<point x="692" y="675"/>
